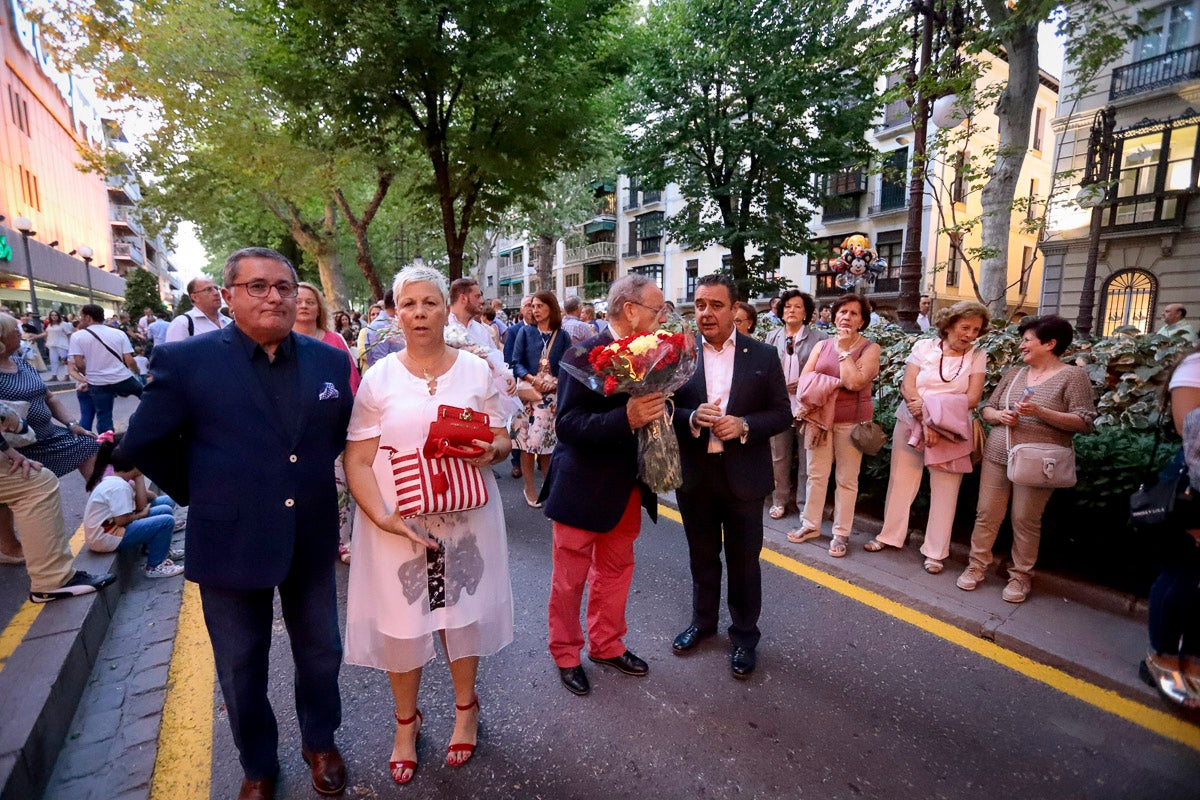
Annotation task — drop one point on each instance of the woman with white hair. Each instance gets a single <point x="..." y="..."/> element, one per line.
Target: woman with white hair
<point x="433" y="576"/>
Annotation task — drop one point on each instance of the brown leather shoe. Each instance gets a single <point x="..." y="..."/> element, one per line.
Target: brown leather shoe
<point x="257" y="790"/>
<point x="328" y="770"/>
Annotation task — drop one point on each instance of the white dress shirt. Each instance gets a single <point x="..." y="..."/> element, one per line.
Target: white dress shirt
<point x="718" y="379"/>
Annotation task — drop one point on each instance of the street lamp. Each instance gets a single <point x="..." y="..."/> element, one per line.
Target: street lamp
<point x="25" y="226"/>
<point x="85" y="253"/>
<point x="943" y="21"/>
<point x="1094" y="195"/>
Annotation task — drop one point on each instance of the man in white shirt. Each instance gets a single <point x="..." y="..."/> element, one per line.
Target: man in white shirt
<point x="156" y="332"/>
<point x="1173" y="315"/>
<point x="923" y="316"/>
<point x="145" y="321"/>
<point x="205" y="314"/>
<point x="466" y="302"/>
<point x="104" y="356"/>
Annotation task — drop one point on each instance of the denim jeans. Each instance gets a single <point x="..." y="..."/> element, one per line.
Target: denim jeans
<point x="87" y="409"/>
<point x="153" y="530"/>
<point x="102" y="398"/>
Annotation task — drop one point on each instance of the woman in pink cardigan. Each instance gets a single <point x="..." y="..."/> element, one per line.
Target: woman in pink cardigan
<point x="949" y="368"/>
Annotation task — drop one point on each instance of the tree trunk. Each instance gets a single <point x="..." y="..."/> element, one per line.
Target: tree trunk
<point x="545" y="246"/>
<point x="359" y="227"/>
<point x="320" y="245"/>
<point x="1014" y="109"/>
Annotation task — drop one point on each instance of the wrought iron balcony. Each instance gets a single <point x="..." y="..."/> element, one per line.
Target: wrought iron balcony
<point x="1148" y="74"/>
<point x="891" y="198"/>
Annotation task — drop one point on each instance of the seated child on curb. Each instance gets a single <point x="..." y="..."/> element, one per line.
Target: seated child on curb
<point x="121" y="513"/>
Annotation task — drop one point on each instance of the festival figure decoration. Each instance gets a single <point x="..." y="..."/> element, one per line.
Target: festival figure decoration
<point x="859" y="265"/>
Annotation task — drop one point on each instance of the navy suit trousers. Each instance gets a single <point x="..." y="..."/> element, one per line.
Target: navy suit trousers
<point x="239" y="625"/>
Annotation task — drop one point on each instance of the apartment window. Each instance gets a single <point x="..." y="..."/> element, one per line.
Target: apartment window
<point x="1153" y="170"/>
<point x="894" y="180"/>
<point x="20" y="110"/>
<point x="958" y="189"/>
<point x="571" y="279"/>
<point x="30" y="193"/>
<point x="649" y="232"/>
<point x="953" y="263"/>
<point x="631" y="246"/>
<point x="1039" y="123"/>
<point x="691" y="274"/>
<point x="652" y="271"/>
<point x="1026" y="268"/>
<point x="1128" y="299"/>
<point x="491" y="281"/>
<point x="632" y="201"/>
<point x="890" y="247"/>
<point x="1072" y="153"/>
<point x="1031" y="205"/>
<point x="1167" y="28"/>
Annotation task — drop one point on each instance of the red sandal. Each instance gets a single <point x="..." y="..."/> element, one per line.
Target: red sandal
<point x="400" y="766"/>
<point x="469" y="749"/>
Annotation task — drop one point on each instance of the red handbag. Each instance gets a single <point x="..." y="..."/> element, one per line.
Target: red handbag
<point x="434" y="486"/>
<point x="453" y="432"/>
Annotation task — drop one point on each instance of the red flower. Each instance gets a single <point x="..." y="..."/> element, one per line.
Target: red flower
<point x="610" y="384"/>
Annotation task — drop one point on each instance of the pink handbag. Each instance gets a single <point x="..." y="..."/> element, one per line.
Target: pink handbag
<point x="434" y="485"/>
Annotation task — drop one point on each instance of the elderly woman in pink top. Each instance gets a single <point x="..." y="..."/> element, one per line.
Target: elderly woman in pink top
<point x="935" y="370"/>
<point x="853" y="360"/>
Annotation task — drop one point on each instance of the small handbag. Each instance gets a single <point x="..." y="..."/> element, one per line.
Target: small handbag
<point x="868" y="436"/>
<point x="434" y="485"/>
<point x="979" y="441"/>
<point x="1045" y="466"/>
<point x="1156" y="503"/>
<point x="453" y="432"/>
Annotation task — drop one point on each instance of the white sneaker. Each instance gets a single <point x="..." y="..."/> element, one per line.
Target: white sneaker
<point x="167" y="569"/>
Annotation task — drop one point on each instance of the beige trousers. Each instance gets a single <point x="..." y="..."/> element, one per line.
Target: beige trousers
<point x="1028" y="503"/>
<point x="38" y="516"/>
<point x="904" y="481"/>
<point x="835" y="449"/>
<point x="783" y="445"/>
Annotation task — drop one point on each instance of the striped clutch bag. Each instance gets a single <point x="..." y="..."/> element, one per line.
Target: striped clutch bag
<point x="434" y="485"/>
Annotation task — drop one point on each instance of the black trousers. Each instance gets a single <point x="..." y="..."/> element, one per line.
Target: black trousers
<point x="239" y="625"/>
<point x="715" y="520"/>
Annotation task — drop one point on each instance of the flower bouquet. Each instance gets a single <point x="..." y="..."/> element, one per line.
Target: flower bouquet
<point x="641" y="364"/>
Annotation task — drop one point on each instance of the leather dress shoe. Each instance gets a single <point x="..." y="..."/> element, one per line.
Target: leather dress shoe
<point x="742" y="661"/>
<point x="575" y="679"/>
<point x="627" y="662"/>
<point x="257" y="790"/>
<point x="328" y="770"/>
<point x="691" y="637"/>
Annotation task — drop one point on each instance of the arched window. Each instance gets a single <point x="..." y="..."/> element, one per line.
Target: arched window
<point x="1129" y="297"/>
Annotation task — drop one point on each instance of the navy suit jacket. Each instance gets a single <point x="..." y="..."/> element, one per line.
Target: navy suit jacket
<point x="759" y="394"/>
<point x="594" y="467"/>
<point x="262" y="503"/>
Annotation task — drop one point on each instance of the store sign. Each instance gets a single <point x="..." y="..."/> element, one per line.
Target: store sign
<point x="5" y="249"/>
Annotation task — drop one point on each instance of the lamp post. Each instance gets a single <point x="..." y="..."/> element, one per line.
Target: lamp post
<point x="1094" y="195"/>
<point x="85" y="253"/>
<point x="937" y="25"/>
<point x="25" y="226"/>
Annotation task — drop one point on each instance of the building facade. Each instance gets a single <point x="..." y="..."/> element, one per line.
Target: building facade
<point x="1147" y="235"/>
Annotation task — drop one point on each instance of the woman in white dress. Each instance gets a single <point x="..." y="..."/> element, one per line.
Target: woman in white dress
<point x="435" y="576"/>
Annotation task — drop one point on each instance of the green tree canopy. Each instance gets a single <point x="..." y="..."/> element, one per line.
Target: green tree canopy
<point x="141" y="291"/>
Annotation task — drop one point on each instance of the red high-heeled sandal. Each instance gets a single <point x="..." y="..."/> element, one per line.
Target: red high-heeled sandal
<point x="395" y="766"/>
<point x="469" y="749"/>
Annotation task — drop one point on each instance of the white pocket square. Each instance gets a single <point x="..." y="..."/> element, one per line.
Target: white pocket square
<point x="328" y="392"/>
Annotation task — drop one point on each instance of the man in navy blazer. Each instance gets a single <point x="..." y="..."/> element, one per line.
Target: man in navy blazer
<point x="725" y="417"/>
<point x="243" y="425"/>
<point x="593" y="495"/>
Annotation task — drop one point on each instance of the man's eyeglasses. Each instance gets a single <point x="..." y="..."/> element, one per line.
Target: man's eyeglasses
<point x="658" y="312"/>
<point x="791" y="349"/>
<point x="206" y="290"/>
<point x="286" y="289"/>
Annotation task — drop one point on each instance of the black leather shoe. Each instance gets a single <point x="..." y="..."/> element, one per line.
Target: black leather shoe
<point x="689" y="639"/>
<point x="328" y="770"/>
<point x="742" y="661"/>
<point x="575" y="679"/>
<point x="627" y="662"/>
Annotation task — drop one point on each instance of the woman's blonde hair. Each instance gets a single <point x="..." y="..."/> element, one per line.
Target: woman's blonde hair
<point x="322" y="309"/>
<point x="947" y="318"/>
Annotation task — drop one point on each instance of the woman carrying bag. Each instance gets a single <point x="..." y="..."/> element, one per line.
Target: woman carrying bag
<point x="538" y="350"/>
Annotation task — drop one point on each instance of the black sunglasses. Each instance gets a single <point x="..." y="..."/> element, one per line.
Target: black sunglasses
<point x="791" y="350"/>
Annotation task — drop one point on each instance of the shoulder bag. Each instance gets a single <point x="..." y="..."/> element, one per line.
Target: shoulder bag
<point x="868" y="436"/>
<point x="1164" y="497"/>
<point x="1045" y="466"/>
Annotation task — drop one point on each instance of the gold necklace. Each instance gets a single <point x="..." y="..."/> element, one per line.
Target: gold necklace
<point x="430" y="379"/>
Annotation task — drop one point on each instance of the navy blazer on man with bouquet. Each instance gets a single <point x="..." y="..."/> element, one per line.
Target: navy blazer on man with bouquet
<point x="721" y="499"/>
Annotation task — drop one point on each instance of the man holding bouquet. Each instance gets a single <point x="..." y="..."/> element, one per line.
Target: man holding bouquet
<point x="595" y="499"/>
<point x="726" y="415"/>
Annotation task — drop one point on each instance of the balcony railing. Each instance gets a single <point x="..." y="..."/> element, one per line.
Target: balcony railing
<point x="649" y="197"/>
<point x="891" y="198"/>
<point x="1155" y="73"/>
<point x="651" y="245"/>
<point x="127" y="216"/>
<point x="126" y="184"/>
<point x="833" y="213"/>
<point x="596" y="251"/>
<point x="129" y="252"/>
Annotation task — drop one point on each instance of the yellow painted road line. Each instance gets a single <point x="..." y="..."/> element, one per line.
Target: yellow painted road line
<point x="1144" y="716"/>
<point x="183" y="767"/>
<point x="14" y="633"/>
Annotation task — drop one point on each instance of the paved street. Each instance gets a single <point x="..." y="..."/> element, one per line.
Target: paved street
<point x="847" y="702"/>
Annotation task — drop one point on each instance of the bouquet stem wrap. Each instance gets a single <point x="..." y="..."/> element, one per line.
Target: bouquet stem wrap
<point x="638" y="365"/>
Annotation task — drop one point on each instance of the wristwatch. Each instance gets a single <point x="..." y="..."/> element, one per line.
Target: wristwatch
<point x="745" y="428"/>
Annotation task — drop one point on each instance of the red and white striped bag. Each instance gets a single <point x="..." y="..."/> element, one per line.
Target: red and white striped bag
<point x="435" y="486"/>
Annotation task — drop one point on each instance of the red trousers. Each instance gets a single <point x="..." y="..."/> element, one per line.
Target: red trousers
<point x="605" y="561"/>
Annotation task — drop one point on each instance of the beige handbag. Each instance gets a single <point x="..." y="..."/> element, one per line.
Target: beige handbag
<point x="1044" y="466"/>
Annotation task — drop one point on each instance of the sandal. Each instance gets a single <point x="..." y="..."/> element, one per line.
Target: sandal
<point x="463" y="747"/>
<point x="531" y="503"/>
<point x="397" y="767"/>
<point x="837" y="548"/>
<point x="933" y="566"/>
<point x="777" y="512"/>
<point x="875" y="546"/>
<point x="803" y="535"/>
